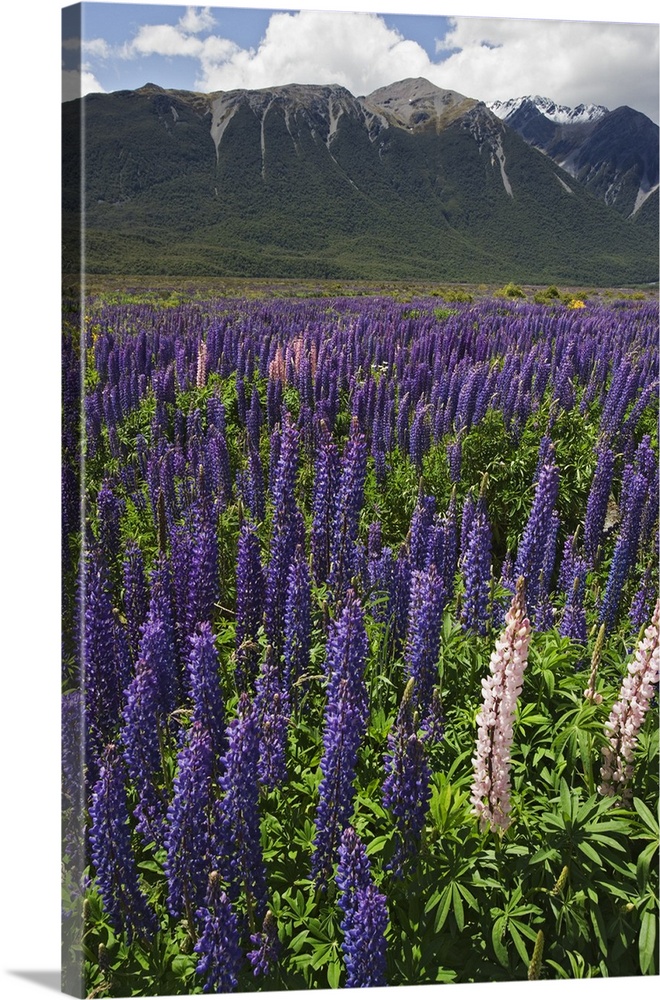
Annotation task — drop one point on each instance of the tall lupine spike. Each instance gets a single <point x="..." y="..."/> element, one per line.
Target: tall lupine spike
<point x="190" y="840"/>
<point x="490" y="794"/>
<point x="599" y="495"/>
<point x="365" y="914"/>
<point x="112" y="855"/>
<point x="401" y="596"/>
<point x="218" y="946"/>
<point x="420" y="526"/>
<point x="467" y="517"/>
<point x="297" y="618"/>
<point x="288" y="532"/>
<point x="348" y="505"/>
<point x="110" y="509"/>
<point x="273" y="708"/>
<point x="250" y="598"/>
<point x="326" y="479"/>
<point x="364" y="946"/>
<point x="625" y="551"/>
<point x="531" y="551"/>
<point x="353" y="870"/>
<point x="253" y="487"/>
<point x="406" y="789"/>
<point x="574" y="620"/>
<point x="644" y="598"/>
<point x="264" y="956"/>
<point x="136" y="596"/>
<point x="450" y="545"/>
<point x="346" y="717"/>
<point x="238" y="810"/>
<point x="106" y="670"/>
<point x="158" y="643"/>
<point x="205" y="687"/>
<point x="454" y="455"/>
<point x="477" y="574"/>
<point x="428" y="597"/>
<point x="204" y="582"/>
<point x="144" y="737"/>
<point x="628" y="714"/>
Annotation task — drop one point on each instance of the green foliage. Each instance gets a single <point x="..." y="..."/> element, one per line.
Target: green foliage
<point x="510" y="291"/>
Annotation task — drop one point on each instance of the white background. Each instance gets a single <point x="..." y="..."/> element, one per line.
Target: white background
<point x="29" y="485"/>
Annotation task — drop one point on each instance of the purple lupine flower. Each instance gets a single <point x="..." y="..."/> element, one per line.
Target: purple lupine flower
<point x="450" y="545"/>
<point x="574" y="621"/>
<point x="326" y="479"/>
<point x="265" y="954"/>
<point x="420" y="434"/>
<point x="112" y="855"/>
<point x="428" y="597"/>
<point x="625" y="551"/>
<point x="273" y="708"/>
<point x="401" y="596"/>
<point x="364" y="946"/>
<point x="143" y="734"/>
<point x="297" y="618"/>
<point x="136" y="596"/>
<point x="365" y="914"/>
<point x="348" y="504"/>
<point x="467" y="516"/>
<point x="599" y="494"/>
<point x="406" y="789"/>
<point x="477" y="574"/>
<point x="432" y="728"/>
<point x="204" y="582"/>
<point x="205" y="687"/>
<point x="380" y="581"/>
<point x="250" y="599"/>
<point x="73" y="790"/>
<point x="106" y="669"/>
<point x="253" y="489"/>
<point x="644" y="599"/>
<point x="189" y="839"/>
<point x="628" y="714"/>
<point x="288" y="532"/>
<point x="420" y="526"/>
<point x="454" y="454"/>
<point x="218" y="946"/>
<point x="353" y="870"/>
<point x="531" y="551"/>
<point x="491" y="782"/>
<point x="110" y="509"/>
<point x="238" y="810"/>
<point x="157" y="647"/>
<point x="346" y="717"/>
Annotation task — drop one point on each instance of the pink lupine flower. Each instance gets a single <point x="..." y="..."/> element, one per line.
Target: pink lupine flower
<point x="491" y="785"/>
<point x="627" y="716"/>
<point x="202" y="360"/>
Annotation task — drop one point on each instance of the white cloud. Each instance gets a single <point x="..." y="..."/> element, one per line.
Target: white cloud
<point x="568" y="61"/>
<point x="96" y="48"/>
<point x="356" y="50"/>
<point x="77" y="83"/>
<point x="484" y="58"/>
<point x="195" y="20"/>
<point x="162" y="40"/>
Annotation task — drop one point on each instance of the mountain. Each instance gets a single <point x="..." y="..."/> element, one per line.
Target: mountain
<point x="613" y="154"/>
<point x="412" y="181"/>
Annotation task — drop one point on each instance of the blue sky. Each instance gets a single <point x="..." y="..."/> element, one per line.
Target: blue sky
<point x="224" y="48"/>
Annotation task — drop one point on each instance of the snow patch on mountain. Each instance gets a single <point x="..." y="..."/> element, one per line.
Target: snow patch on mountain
<point x="558" y="113"/>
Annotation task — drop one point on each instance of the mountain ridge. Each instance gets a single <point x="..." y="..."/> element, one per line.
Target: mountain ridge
<point x="309" y="180"/>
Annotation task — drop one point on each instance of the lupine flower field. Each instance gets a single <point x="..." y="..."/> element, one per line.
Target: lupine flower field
<point x="360" y="643"/>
